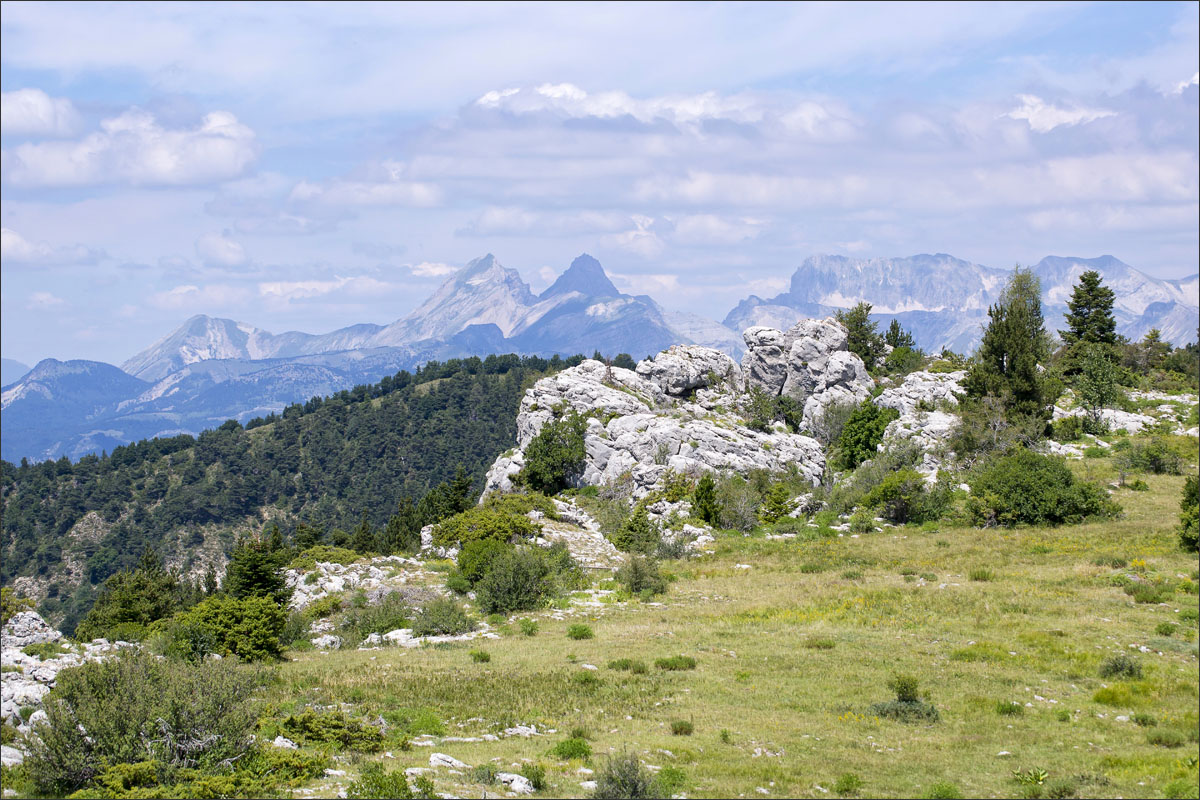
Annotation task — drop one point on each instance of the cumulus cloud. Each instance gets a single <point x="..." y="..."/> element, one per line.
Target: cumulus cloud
<point x="1043" y="117"/>
<point x="32" y="112"/>
<point x="134" y="148"/>
<point x="302" y="290"/>
<point x="430" y="269"/>
<point x="195" y="299"/>
<point x="387" y="185"/>
<point x="216" y="250"/>
<point x="1183" y="86"/>
<point x="16" y="249"/>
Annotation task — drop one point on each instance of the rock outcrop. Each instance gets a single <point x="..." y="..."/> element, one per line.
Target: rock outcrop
<point x="809" y="362"/>
<point x="923" y="390"/>
<point x="681" y="409"/>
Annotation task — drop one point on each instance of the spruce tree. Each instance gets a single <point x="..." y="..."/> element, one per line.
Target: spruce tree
<point x="896" y="336"/>
<point x="1013" y="346"/>
<point x="256" y="570"/>
<point x="704" y="500"/>
<point x="1089" y="321"/>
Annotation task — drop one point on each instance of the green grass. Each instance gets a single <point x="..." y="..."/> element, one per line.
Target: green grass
<point x="791" y="657"/>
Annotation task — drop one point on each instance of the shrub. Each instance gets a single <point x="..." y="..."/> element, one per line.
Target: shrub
<point x="1166" y="738"/>
<point x="640" y="574"/>
<point x="373" y="782"/>
<point x="1189" y="519"/>
<point x="529" y="627"/>
<point x="1060" y="788"/>
<point x="1030" y="488"/>
<point x="675" y="663"/>
<point x="484" y="773"/>
<point x="907" y="707"/>
<point x="902" y="497"/>
<point x="1144" y="720"/>
<point x="131" y="600"/>
<point x="575" y="747"/>
<point x="535" y="774"/>
<point x="1009" y="708"/>
<point x="43" y="651"/>
<point x="638" y="534"/>
<point x="482" y="522"/>
<point x="1120" y="666"/>
<point x="628" y="665"/>
<point x="554" y="458"/>
<point x="944" y="790"/>
<point x="624" y="776"/>
<point x="1156" y="456"/>
<point x="332" y="727"/>
<point x="476" y="558"/>
<point x="704" y="500"/>
<point x="133" y="706"/>
<point x="682" y="727"/>
<point x="820" y="643"/>
<point x="11" y="604"/>
<point x="256" y="569"/>
<point x="739" y="503"/>
<point x="307" y="559"/>
<point x="981" y="574"/>
<point x="389" y="614"/>
<point x="249" y="628"/>
<point x="481" y="656"/>
<point x="1068" y="429"/>
<point x="847" y="784"/>
<point x="523" y="578"/>
<point x="442" y="617"/>
<point x="862" y="433"/>
<point x="1164" y="629"/>
<point x="580" y="631"/>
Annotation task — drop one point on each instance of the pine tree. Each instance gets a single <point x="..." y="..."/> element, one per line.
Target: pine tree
<point x="704" y="500"/>
<point x="255" y="570"/>
<point x="403" y="531"/>
<point x="363" y="539"/>
<point x="864" y="340"/>
<point x="1089" y="321"/>
<point x="896" y="336"/>
<point x="1014" y="344"/>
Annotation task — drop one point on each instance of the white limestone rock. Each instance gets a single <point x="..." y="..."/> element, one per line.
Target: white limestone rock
<point x="443" y="760"/>
<point x="929" y="430"/>
<point x="26" y="628"/>
<point x="515" y="783"/>
<point x="683" y="368"/>
<point x="928" y="388"/>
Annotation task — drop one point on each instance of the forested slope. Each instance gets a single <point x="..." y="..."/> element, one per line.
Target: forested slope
<point x="328" y="463"/>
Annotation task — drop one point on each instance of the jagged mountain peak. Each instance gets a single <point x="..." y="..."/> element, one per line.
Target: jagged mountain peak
<point x="585" y="276"/>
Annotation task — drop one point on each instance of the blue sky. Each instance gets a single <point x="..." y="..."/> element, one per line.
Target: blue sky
<point x="309" y="166"/>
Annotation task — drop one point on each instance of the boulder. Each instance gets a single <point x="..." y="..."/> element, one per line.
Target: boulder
<point x="683" y="368"/>
<point x="923" y="388"/>
<point x="443" y="760"/>
<point x="327" y="642"/>
<point x="26" y="628"/>
<point x="515" y="783"/>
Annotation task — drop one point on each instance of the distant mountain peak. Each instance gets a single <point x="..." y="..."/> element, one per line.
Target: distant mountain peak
<point x="586" y="276"/>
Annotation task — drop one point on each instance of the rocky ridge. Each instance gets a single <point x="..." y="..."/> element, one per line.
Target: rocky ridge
<point x="683" y="410"/>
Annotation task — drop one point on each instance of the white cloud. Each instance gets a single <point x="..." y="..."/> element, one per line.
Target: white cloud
<point x="43" y="301"/>
<point x="711" y="229"/>
<point x="1044" y="118"/>
<point x="16" y="249"/>
<point x="217" y="251"/>
<point x="1183" y="86"/>
<point x="197" y="299"/>
<point x="32" y="112"/>
<point x="281" y="293"/>
<point x="431" y="269"/>
<point x="390" y="190"/>
<point x="518" y="221"/>
<point x="133" y="148"/>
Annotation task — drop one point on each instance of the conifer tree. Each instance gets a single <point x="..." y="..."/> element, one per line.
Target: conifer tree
<point x="896" y="336"/>
<point x="1014" y="344"/>
<point x="704" y="500"/>
<point x="256" y="570"/>
<point x="864" y="340"/>
<point x="1089" y="321"/>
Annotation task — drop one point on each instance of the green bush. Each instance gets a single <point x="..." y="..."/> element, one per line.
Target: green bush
<point x="580" y="631"/>
<point x="476" y="558"/>
<point x="306" y="560"/>
<point x="44" y="651"/>
<point x="481" y="656"/>
<point x="675" y="663"/>
<point x="524" y="578"/>
<point x="521" y="503"/>
<point x="902" y="497"/>
<point x="681" y="727"/>
<point x="847" y="785"/>
<point x="574" y="747"/>
<point x="442" y="617"/>
<point x="529" y="627"/>
<point x="256" y="569"/>
<point x="535" y="774"/>
<point x="1025" y="487"/>
<point x="902" y="361"/>
<point x="1189" y="519"/>
<point x="624" y="778"/>
<point x="249" y="628"/>
<point x="482" y="522"/>
<point x="1166" y="738"/>
<point x="628" y="665"/>
<point x="332" y="727"/>
<point x="704" y="500"/>
<point x="1156" y="456"/>
<point x="638" y="534"/>
<point x="862" y="433"/>
<point x="944" y="790"/>
<point x="1009" y="708"/>
<point x="1120" y="666"/>
<point x="389" y="614"/>
<point x="908" y="705"/>
<point x="739" y="503"/>
<point x="11" y="604"/>
<point x="133" y="706"/>
<point x="554" y="458"/>
<point x="1068" y="429"/>
<point x="640" y="574"/>
<point x="373" y="782"/>
<point x="131" y="600"/>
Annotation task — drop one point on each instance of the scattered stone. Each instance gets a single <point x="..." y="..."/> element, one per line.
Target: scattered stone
<point x="443" y="760"/>
<point x="284" y="743"/>
<point x="515" y="783"/>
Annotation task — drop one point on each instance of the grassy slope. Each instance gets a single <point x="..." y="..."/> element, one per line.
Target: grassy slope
<point x="798" y="716"/>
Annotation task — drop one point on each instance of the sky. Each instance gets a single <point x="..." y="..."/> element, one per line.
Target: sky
<point x="306" y="166"/>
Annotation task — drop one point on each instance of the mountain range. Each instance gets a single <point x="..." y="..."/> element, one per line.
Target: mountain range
<point x="209" y="369"/>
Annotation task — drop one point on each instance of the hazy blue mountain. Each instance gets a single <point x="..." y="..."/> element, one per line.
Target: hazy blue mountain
<point x="204" y="338"/>
<point x="943" y="300"/>
<point x="11" y="371"/>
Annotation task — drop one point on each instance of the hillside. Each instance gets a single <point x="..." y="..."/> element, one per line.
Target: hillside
<point x="329" y="463"/>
